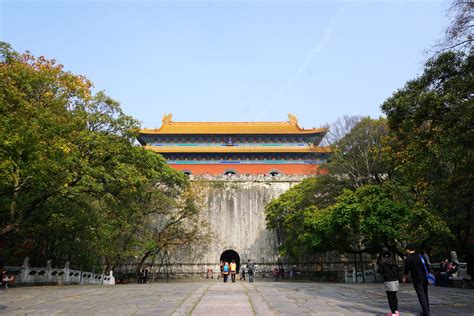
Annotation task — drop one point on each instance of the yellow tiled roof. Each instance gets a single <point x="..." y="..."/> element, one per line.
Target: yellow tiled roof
<point x="289" y="127"/>
<point x="239" y="149"/>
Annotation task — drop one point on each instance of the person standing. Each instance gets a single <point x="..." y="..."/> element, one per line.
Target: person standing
<point x="427" y="256"/>
<point x="388" y="268"/>
<point x="2" y="264"/>
<point x="145" y="276"/>
<point x="140" y="276"/>
<point x="414" y="266"/>
<point x="221" y="269"/>
<point x="233" y="270"/>
<point x="250" y="270"/>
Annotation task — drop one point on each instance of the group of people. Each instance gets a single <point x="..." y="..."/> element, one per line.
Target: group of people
<point x="230" y="269"/>
<point x="448" y="268"/>
<point x="418" y="266"/>
<point x="414" y="265"/>
<point x="278" y="274"/>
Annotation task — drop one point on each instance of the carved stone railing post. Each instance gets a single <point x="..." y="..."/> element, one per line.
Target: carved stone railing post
<point x="26" y="270"/>
<point x="66" y="273"/>
<point x="92" y="279"/>
<point x="48" y="271"/>
<point x="27" y="275"/>
<point x="111" y="278"/>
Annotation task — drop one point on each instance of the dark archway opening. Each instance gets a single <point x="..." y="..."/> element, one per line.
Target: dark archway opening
<point x="230" y="255"/>
<point x="274" y="173"/>
<point x="187" y="172"/>
<point x="230" y="172"/>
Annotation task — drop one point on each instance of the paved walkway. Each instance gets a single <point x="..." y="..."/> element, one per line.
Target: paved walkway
<point x="218" y="298"/>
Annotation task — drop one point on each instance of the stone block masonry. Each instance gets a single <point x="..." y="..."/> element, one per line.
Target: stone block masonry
<point x="234" y="207"/>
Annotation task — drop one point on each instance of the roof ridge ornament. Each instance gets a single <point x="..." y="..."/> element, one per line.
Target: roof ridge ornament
<point x="167" y="118"/>
<point x="293" y="120"/>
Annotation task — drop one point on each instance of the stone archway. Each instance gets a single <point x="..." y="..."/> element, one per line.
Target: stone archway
<point x="230" y="255"/>
<point x="187" y="172"/>
<point x="274" y="172"/>
<point x="230" y="172"/>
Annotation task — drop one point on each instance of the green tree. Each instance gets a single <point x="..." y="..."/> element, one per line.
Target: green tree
<point x="378" y="215"/>
<point x="73" y="186"/>
<point x="301" y="217"/>
<point x="432" y="140"/>
<point x="176" y="223"/>
<point x="35" y="126"/>
<point x="288" y="213"/>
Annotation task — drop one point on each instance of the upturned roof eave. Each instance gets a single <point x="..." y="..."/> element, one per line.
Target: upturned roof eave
<point x="170" y="127"/>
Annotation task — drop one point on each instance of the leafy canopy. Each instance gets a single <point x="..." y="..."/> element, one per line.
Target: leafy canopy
<point x="73" y="186"/>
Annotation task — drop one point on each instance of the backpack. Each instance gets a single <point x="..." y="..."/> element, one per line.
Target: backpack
<point x="250" y="267"/>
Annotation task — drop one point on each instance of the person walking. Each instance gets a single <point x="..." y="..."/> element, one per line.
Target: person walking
<point x="250" y="270"/>
<point x="242" y="273"/>
<point x="415" y="266"/>
<point x="388" y="268"/>
<point x="233" y="270"/>
<point x="225" y="271"/>
<point x="221" y="269"/>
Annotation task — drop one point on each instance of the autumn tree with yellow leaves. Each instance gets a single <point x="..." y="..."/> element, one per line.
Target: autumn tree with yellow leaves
<point x="73" y="186"/>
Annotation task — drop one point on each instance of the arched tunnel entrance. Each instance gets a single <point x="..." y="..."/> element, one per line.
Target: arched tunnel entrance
<point x="230" y="255"/>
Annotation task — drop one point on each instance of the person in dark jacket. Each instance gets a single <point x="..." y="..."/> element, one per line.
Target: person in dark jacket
<point x="414" y="266"/>
<point x="388" y="268"/>
<point x="250" y="270"/>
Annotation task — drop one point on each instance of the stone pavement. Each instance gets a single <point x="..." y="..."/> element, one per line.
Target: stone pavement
<point x="212" y="297"/>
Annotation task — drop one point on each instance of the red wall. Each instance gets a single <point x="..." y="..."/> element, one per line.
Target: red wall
<point x="216" y="169"/>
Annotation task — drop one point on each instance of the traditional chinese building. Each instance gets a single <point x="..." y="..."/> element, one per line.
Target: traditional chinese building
<point x="246" y="148"/>
<point x="253" y="152"/>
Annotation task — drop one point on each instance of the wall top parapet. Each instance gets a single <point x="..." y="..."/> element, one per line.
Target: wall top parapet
<point x="249" y="178"/>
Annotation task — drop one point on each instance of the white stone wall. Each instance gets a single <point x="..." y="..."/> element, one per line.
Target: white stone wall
<point x="235" y="210"/>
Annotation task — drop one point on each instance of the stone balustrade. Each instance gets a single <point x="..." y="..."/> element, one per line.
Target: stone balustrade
<point x="367" y="276"/>
<point x="27" y="275"/>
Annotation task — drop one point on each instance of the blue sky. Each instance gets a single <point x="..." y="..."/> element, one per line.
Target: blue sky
<point x="233" y="60"/>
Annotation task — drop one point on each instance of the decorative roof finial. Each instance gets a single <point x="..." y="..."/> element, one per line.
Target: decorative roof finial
<point x="293" y="120"/>
<point x="167" y="118"/>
